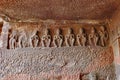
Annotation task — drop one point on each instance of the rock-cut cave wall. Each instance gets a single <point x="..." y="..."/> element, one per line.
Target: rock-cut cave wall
<point x="115" y="40"/>
<point x="56" y="50"/>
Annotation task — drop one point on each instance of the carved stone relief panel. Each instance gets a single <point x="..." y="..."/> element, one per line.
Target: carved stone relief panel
<point x="33" y="35"/>
<point x="57" y="51"/>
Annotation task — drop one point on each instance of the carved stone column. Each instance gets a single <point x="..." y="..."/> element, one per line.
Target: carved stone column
<point x="115" y="40"/>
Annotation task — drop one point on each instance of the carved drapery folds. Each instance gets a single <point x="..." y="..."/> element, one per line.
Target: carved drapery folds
<point x="58" y="37"/>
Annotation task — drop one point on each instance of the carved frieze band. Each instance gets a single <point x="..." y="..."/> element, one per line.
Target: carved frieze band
<point x="95" y="37"/>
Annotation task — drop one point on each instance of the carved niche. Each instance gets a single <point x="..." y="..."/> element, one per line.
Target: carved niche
<point x="85" y="41"/>
<point x="41" y="36"/>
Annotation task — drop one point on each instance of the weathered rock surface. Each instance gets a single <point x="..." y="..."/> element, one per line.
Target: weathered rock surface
<point x="59" y="9"/>
<point x="66" y="63"/>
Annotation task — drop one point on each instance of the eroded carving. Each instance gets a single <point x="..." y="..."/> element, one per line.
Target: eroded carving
<point x="93" y="37"/>
<point x="34" y="39"/>
<point x="46" y="39"/>
<point x="103" y="36"/>
<point x="58" y="38"/>
<point x="70" y="38"/>
<point x="81" y="38"/>
<point x="22" y="40"/>
<point x="96" y="37"/>
<point x="13" y="40"/>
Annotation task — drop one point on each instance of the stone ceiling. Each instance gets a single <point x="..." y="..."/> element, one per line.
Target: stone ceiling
<point x="58" y="9"/>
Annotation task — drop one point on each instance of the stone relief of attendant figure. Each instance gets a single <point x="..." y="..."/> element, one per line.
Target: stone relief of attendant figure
<point x="70" y="38"/>
<point x="81" y="38"/>
<point x="13" y="40"/>
<point x="103" y="36"/>
<point x="22" y="40"/>
<point x="46" y="39"/>
<point x="34" y="39"/>
<point x="58" y="39"/>
<point x="93" y="37"/>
